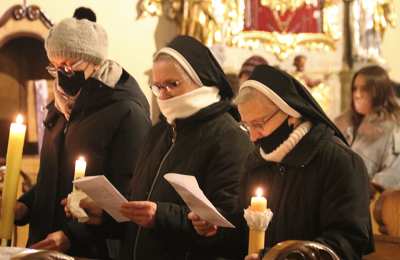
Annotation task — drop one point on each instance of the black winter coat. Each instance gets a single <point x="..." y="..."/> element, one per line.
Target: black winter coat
<point x="318" y="192"/>
<point x="208" y="145"/>
<point x="107" y="126"/>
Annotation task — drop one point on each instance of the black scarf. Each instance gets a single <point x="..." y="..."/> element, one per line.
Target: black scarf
<point x="277" y="137"/>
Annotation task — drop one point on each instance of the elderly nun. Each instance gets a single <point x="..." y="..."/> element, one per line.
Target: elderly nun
<point x="316" y="186"/>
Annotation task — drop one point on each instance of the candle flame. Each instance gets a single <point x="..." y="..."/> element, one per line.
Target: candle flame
<point x="81" y="158"/>
<point x="19" y="119"/>
<point x="259" y="192"/>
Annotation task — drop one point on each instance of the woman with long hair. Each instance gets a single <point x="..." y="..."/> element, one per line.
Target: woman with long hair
<point x="372" y="126"/>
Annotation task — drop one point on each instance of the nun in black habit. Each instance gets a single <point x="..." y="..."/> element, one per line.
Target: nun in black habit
<point x="317" y="188"/>
<point x="196" y="135"/>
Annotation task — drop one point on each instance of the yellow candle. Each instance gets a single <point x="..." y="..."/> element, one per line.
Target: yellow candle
<point x="80" y="168"/>
<point x="257" y="237"/>
<point x="13" y="168"/>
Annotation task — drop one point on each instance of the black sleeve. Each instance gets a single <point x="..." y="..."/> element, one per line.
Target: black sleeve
<point x="27" y="198"/>
<point x="126" y="147"/>
<point x="122" y="156"/>
<point x="231" y="243"/>
<point x="220" y="185"/>
<point x="344" y="212"/>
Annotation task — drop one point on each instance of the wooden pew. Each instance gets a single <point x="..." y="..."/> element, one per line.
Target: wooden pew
<point x="386" y="212"/>
<point x="300" y="250"/>
<point x="386" y="248"/>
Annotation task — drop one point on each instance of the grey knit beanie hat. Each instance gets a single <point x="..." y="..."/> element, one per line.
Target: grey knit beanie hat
<point x="77" y="40"/>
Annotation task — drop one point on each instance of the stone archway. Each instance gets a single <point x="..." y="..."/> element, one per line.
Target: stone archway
<point x="22" y="63"/>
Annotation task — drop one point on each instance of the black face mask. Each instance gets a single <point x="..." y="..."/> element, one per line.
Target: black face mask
<point x="71" y="85"/>
<point x="276" y="138"/>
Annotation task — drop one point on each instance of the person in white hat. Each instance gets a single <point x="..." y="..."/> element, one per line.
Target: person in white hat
<point x="99" y="112"/>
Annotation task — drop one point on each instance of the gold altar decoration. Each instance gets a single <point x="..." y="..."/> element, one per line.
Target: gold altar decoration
<point x="384" y="15"/>
<point x="222" y="21"/>
<point x="150" y="8"/>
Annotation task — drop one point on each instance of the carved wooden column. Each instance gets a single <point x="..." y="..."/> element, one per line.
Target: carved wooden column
<point x="347" y="67"/>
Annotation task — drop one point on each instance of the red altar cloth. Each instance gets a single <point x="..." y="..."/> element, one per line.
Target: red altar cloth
<point x="305" y="19"/>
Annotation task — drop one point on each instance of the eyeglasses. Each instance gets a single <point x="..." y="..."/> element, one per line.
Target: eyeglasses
<point x="157" y="87"/>
<point x="259" y="124"/>
<point x="67" y="70"/>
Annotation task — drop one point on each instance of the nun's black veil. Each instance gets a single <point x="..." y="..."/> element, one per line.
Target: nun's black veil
<point x="203" y="63"/>
<point x="294" y="94"/>
<point x="205" y="66"/>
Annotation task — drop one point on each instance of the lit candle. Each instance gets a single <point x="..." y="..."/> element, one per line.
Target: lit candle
<point x="80" y="168"/>
<point x="13" y="168"/>
<point x="257" y="237"/>
<point x="258" y="203"/>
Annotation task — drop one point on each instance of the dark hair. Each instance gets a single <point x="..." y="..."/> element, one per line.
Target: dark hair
<point x="380" y="87"/>
<point x="249" y="64"/>
<point x="84" y="13"/>
<point x="298" y="58"/>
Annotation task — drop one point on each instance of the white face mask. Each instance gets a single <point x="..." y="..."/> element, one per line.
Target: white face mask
<point x="188" y="104"/>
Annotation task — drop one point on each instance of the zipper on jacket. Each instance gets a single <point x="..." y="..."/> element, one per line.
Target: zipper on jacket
<point x="153" y="184"/>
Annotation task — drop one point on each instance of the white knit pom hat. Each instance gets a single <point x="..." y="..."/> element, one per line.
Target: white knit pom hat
<point x="77" y="40"/>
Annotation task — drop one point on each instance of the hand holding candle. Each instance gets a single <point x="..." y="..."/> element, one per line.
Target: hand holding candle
<point x="256" y="214"/>
<point x="13" y="168"/>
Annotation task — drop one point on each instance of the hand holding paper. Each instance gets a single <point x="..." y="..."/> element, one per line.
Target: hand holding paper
<point x="202" y="227"/>
<point x="188" y="188"/>
<point x="140" y="212"/>
<point x="99" y="189"/>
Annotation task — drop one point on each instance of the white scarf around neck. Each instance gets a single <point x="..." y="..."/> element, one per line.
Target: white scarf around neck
<point x="282" y="150"/>
<point x="189" y="103"/>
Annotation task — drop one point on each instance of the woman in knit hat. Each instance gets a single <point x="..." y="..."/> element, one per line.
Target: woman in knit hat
<point x="317" y="188"/>
<point x="99" y="112"/>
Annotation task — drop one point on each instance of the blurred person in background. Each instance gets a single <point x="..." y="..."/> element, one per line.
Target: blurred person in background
<point x="372" y="125"/>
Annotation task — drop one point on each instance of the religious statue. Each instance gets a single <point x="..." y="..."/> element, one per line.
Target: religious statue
<point x="319" y="88"/>
<point x="299" y="63"/>
<point x="370" y="19"/>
